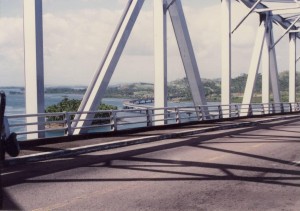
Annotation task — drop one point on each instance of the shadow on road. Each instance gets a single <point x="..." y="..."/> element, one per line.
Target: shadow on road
<point x="288" y="174"/>
<point x="8" y="202"/>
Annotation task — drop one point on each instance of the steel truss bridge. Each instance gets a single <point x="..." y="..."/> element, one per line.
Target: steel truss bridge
<point x="285" y="13"/>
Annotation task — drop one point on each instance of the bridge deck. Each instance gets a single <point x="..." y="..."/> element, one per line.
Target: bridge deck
<point x="46" y="150"/>
<point x="253" y="168"/>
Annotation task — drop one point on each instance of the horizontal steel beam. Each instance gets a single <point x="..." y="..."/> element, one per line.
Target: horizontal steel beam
<point x="275" y="18"/>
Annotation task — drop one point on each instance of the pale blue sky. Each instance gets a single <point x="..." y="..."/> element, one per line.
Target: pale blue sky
<point x="77" y="32"/>
<point x="14" y="7"/>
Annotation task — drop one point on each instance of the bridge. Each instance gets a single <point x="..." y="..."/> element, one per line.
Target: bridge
<point x="235" y="165"/>
<point x="269" y="13"/>
<point x="204" y="156"/>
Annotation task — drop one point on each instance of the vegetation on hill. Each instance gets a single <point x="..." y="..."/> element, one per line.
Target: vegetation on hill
<point x="179" y="90"/>
<point x="67" y="105"/>
<point x="130" y="91"/>
<point x="65" y="90"/>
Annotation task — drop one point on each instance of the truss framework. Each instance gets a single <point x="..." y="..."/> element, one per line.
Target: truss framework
<point x="285" y="13"/>
<point x="102" y="77"/>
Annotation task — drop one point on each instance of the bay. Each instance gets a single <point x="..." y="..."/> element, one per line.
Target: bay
<point x="16" y="106"/>
<point x="16" y="100"/>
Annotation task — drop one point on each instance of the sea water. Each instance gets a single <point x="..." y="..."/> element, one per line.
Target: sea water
<point x="15" y="105"/>
<point x="16" y="100"/>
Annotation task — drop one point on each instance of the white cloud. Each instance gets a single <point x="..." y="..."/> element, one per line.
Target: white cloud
<point x="11" y="54"/>
<point x="75" y="42"/>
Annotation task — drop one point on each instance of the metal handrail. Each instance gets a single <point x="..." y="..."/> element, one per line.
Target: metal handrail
<point x="149" y="116"/>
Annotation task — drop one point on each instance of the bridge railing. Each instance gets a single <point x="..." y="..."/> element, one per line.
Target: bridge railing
<point x="60" y="124"/>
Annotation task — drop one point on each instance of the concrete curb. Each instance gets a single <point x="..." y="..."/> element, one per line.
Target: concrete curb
<point x="128" y="142"/>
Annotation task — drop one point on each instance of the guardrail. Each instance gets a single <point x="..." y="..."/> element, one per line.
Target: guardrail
<point x="60" y="124"/>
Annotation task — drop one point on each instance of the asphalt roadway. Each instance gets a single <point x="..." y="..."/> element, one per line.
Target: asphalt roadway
<point x="252" y="168"/>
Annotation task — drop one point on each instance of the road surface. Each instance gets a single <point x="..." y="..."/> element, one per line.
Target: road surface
<point x="254" y="168"/>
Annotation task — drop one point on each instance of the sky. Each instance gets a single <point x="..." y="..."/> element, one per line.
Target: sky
<point x="77" y="33"/>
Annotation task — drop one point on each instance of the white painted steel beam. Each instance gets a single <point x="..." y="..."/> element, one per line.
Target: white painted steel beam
<point x="295" y="31"/>
<point x="279" y="10"/>
<point x="187" y="53"/>
<point x="274" y="70"/>
<point x="226" y="53"/>
<point x="276" y="18"/>
<point x="160" y="57"/>
<point x="254" y="65"/>
<point x="224" y="9"/>
<point x="292" y="68"/>
<point x="286" y="31"/>
<point x="100" y="81"/>
<point x="34" y="65"/>
<point x="266" y="67"/>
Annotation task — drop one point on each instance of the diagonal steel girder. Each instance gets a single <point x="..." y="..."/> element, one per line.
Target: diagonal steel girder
<point x="254" y="66"/>
<point x="264" y="39"/>
<point x="100" y="81"/>
<point x="187" y="53"/>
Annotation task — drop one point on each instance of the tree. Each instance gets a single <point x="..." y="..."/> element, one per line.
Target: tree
<point x="67" y="105"/>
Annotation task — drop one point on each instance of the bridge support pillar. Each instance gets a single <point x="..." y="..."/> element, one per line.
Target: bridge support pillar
<point x="34" y="65"/>
<point x="274" y="71"/>
<point x="160" y="57"/>
<point x="226" y="54"/>
<point x="266" y="68"/>
<point x="292" y="67"/>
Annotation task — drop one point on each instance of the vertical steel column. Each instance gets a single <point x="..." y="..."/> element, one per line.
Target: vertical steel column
<point x="226" y="53"/>
<point x="160" y="57"/>
<point x="274" y="70"/>
<point x="266" y="68"/>
<point x="187" y="54"/>
<point x="100" y="81"/>
<point x="34" y="64"/>
<point x="254" y="65"/>
<point x="292" y="67"/>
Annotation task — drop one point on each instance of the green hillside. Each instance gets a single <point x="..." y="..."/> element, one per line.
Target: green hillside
<point x="179" y="90"/>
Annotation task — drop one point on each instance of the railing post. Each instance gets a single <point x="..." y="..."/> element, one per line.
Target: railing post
<point x="273" y="108"/>
<point x="178" y="120"/>
<point x="68" y="130"/>
<point x="250" y="113"/>
<point x="263" y="109"/>
<point x="113" y="121"/>
<point x="220" y="112"/>
<point x="237" y="112"/>
<point x="149" y="117"/>
<point x="202" y="113"/>
<point x="281" y="108"/>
